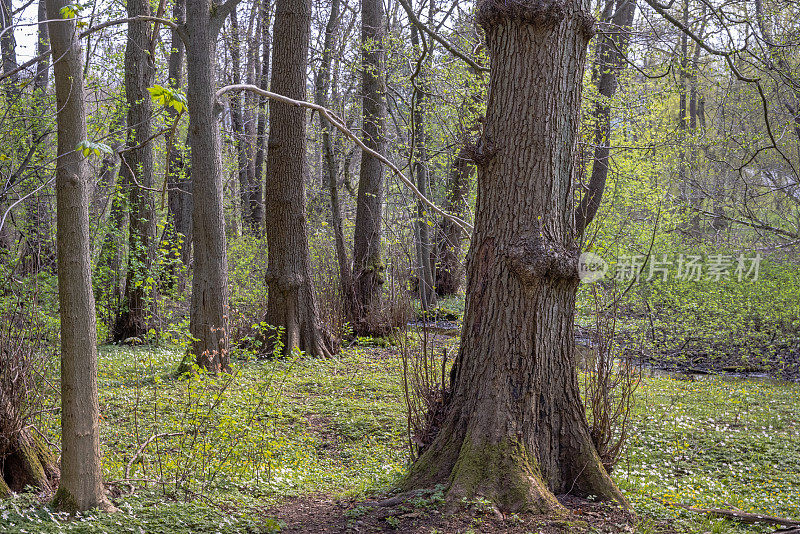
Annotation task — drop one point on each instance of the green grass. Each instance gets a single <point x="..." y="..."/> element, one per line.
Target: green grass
<point x="714" y="443"/>
<point x="337" y="427"/>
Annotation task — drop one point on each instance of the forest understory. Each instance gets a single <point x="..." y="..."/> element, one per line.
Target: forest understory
<point x="317" y="445"/>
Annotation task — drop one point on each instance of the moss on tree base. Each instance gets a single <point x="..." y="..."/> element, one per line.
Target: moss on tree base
<point x="503" y="474"/>
<point x="28" y="463"/>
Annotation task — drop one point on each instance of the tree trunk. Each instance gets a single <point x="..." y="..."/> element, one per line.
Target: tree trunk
<point x="179" y="196"/>
<point x="9" y="62"/>
<point x="610" y="59"/>
<point x="292" y="304"/>
<point x="237" y="122"/>
<point x="257" y="200"/>
<point x="112" y="248"/>
<point x="422" y="239"/>
<point x="135" y="316"/>
<point x="209" y="307"/>
<point x="42" y="45"/>
<point x="38" y="249"/>
<point x="26" y="461"/>
<point x="450" y="270"/>
<point x="8" y="49"/>
<point x="368" y="269"/>
<point x="685" y="191"/>
<point x="515" y="429"/>
<point x="253" y="67"/>
<point x="81" y="485"/>
<point x="331" y="166"/>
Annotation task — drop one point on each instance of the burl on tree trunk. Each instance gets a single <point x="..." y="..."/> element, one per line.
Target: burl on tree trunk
<point x="515" y="429"/>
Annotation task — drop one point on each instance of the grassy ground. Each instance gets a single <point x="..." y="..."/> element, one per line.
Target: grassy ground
<point x="233" y="453"/>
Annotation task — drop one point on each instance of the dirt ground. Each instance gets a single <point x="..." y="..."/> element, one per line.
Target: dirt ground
<point x="319" y="514"/>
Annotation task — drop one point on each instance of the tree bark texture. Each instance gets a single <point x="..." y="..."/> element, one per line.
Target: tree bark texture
<point x="209" y="307"/>
<point x="368" y="269"/>
<point x="136" y="172"/>
<point x="515" y="429"/>
<point x="81" y="485"/>
<point x="292" y="303"/>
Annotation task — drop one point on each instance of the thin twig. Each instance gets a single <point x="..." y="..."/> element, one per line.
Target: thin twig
<point x="144" y="445"/>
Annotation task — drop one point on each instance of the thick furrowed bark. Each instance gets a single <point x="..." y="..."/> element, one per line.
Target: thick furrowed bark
<point x="292" y="304"/>
<point x="515" y="431"/>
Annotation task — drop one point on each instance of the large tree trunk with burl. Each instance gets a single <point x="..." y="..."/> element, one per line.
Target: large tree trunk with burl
<point x="292" y="304"/>
<point x="515" y="429"/>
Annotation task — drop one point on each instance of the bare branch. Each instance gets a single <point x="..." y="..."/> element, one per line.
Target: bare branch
<point x="339" y="125"/>
<point x="166" y="22"/>
<point x="438" y="38"/>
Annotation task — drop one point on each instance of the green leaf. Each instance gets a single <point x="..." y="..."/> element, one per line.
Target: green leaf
<point x="70" y="11"/>
<point x="166" y="97"/>
<point x="87" y="148"/>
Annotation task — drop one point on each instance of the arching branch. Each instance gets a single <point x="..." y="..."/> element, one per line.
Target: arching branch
<point x="339" y="125"/>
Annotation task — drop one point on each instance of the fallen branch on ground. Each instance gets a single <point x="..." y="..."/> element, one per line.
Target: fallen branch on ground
<point x="738" y="515"/>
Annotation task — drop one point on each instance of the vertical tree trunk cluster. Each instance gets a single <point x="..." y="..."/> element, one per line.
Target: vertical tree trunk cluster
<point x="515" y="429"/>
<point x="292" y="306"/>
